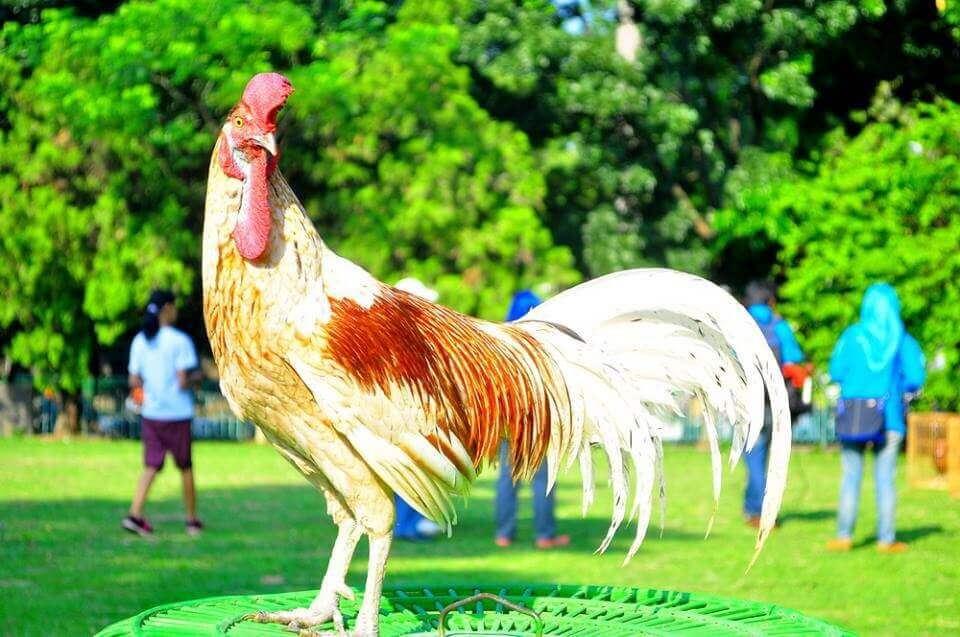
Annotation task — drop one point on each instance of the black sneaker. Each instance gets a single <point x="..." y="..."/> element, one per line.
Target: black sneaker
<point x="194" y="527"/>
<point x="137" y="525"/>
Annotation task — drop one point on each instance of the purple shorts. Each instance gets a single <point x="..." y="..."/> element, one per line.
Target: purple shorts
<point x="161" y="436"/>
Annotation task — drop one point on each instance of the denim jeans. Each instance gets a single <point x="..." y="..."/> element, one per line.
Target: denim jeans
<point x="544" y="524"/>
<point x="405" y="526"/>
<point x="756" y="461"/>
<point x="884" y="475"/>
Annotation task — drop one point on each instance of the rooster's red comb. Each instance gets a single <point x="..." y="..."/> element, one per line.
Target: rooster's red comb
<point x="265" y="95"/>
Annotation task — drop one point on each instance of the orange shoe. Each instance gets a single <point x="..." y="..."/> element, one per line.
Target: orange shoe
<point x="840" y="544"/>
<point x="503" y="542"/>
<point x="557" y="541"/>
<point x="891" y="547"/>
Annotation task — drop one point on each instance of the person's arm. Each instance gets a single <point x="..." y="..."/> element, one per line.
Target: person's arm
<point x="913" y="371"/>
<point x="135" y="367"/>
<point x="839" y="360"/>
<point x="790" y="350"/>
<point x="187" y="365"/>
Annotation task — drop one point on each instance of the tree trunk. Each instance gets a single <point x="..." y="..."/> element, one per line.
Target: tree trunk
<point x="15" y="406"/>
<point x="628" y="39"/>
<point x="68" y="420"/>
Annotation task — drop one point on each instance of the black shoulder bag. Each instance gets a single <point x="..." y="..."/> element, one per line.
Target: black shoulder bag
<point x="861" y="420"/>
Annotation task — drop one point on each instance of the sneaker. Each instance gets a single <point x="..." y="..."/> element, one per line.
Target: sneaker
<point x="891" y="547"/>
<point x="840" y="544"/>
<point x="137" y="525"/>
<point x="503" y="542"/>
<point x="194" y="527"/>
<point x="554" y="542"/>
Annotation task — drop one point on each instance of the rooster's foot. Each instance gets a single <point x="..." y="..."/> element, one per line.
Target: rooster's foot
<point x="302" y="620"/>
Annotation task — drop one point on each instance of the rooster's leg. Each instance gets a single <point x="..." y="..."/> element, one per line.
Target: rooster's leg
<point x="334" y="584"/>
<point x="326" y="606"/>
<point x="368" y="619"/>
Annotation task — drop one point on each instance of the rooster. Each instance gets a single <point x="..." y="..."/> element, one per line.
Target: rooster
<point x="370" y="391"/>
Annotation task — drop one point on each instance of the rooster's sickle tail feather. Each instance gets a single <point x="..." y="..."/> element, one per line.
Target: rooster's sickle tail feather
<point x="637" y="346"/>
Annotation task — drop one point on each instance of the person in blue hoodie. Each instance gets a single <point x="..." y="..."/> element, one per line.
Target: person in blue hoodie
<point x="875" y="358"/>
<point x="760" y="299"/>
<point x="544" y="522"/>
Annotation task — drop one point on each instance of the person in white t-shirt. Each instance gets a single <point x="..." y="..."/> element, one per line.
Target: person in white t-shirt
<point x="163" y="370"/>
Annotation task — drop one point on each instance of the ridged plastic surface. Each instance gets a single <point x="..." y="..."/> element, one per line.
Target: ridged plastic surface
<point x="571" y="611"/>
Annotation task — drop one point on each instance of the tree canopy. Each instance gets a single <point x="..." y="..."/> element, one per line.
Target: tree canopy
<point x="483" y="147"/>
<point x="880" y="206"/>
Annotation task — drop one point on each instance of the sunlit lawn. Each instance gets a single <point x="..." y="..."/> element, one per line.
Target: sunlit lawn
<point x="66" y="568"/>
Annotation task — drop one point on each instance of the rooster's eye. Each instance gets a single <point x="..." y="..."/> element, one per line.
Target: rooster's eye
<point x="238" y="122"/>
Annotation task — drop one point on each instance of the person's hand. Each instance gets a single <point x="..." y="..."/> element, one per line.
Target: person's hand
<point x="797" y="373"/>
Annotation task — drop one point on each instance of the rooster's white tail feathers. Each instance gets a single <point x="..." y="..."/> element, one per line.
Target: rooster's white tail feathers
<point x="634" y="348"/>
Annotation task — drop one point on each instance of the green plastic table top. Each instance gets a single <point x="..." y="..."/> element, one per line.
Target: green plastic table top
<point x="571" y="611"/>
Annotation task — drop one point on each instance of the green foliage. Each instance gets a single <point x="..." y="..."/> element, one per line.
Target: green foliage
<point x="879" y="207"/>
<point x="109" y="126"/>
<point x="412" y="177"/>
<point x="644" y="148"/>
<point x="106" y="126"/>
<point x="479" y="146"/>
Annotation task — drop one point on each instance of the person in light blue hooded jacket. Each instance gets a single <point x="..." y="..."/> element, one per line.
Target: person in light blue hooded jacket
<point x="875" y="358"/>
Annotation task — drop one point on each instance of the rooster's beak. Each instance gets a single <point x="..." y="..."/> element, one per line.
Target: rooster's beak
<point x="267" y="141"/>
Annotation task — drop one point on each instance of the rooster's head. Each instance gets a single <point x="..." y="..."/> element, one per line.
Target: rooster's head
<point x="248" y="152"/>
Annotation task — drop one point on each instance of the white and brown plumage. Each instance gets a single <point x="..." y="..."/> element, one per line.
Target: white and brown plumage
<point x="371" y="391"/>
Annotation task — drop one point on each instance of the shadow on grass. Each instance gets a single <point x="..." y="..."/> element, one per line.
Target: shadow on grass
<point x="259" y="539"/>
<point x="808" y="516"/>
<point x="907" y="535"/>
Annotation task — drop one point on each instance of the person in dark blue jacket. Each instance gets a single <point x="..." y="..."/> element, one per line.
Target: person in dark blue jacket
<point x="760" y="299"/>
<point x="544" y="523"/>
<point x="875" y="358"/>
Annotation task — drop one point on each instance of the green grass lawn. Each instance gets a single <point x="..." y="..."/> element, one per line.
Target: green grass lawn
<point x="66" y="568"/>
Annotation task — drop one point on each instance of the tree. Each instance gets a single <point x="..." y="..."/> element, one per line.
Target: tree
<point x="28" y="11"/>
<point x="411" y="176"/>
<point x="880" y="206"/>
<point x="636" y="153"/>
<point x="106" y="125"/>
<point x="106" y="130"/>
<point x="482" y="147"/>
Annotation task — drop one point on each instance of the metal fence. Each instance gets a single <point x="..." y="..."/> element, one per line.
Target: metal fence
<point x="107" y="412"/>
<point x="115" y="417"/>
<point x="813" y="428"/>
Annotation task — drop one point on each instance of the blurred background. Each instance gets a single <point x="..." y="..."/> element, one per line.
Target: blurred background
<point x="483" y="147"/>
